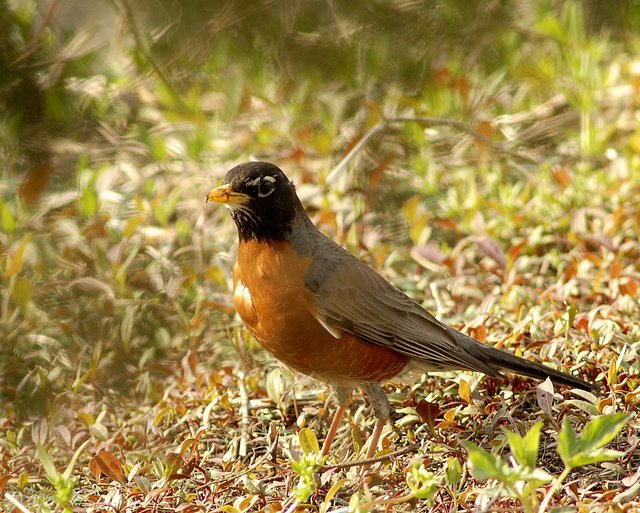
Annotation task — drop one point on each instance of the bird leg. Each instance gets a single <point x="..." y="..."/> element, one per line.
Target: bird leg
<point x="343" y="395"/>
<point x="374" y="438"/>
<point x="381" y="409"/>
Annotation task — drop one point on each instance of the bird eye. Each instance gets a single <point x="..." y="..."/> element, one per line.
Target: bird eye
<point x="266" y="187"/>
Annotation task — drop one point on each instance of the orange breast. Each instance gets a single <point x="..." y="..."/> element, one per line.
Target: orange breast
<point x="269" y="293"/>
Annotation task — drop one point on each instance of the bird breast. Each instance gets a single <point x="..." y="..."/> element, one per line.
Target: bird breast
<point x="279" y="311"/>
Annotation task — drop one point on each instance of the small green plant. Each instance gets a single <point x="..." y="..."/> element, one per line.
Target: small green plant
<point x="422" y="484"/>
<point x="63" y="482"/>
<point x="310" y="462"/>
<point x="522" y="478"/>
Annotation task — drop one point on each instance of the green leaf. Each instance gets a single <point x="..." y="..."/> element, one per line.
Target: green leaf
<point x="485" y="465"/>
<point x="47" y="464"/>
<point x="593" y="457"/>
<point x="21" y="292"/>
<point x="7" y="219"/>
<point x="76" y="454"/>
<point x="16" y="259"/>
<point x="88" y="202"/>
<point x="423" y="484"/>
<point x="306" y="468"/>
<point x="356" y="506"/>
<point x="587" y="450"/>
<point x="489" y="466"/>
<point x="453" y="475"/>
<point x="308" y="441"/>
<point x="601" y="430"/>
<point x="585" y="406"/>
<point x="536" y="476"/>
<point x="568" y="444"/>
<point x="525" y="448"/>
<point x="551" y="27"/>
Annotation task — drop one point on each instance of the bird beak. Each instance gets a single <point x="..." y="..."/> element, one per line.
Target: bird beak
<point x="224" y="194"/>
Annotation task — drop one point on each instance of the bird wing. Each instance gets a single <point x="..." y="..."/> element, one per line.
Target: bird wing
<point x="351" y="297"/>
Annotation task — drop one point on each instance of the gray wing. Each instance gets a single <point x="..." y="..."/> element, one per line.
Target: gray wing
<point x="351" y="297"/>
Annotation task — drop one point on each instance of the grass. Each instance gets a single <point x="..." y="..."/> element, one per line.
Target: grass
<point x="128" y="382"/>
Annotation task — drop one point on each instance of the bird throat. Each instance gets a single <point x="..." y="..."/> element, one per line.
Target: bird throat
<point x="252" y="226"/>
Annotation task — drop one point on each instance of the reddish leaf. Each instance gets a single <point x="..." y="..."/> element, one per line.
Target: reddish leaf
<point x="514" y="251"/>
<point x="3" y="484"/>
<point x="562" y="177"/>
<point x="629" y="286"/>
<point x="486" y="130"/>
<point x="94" y="468"/>
<point x="35" y="182"/>
<point x="448" y="224"/>
<point x="463" y="86"/>
<point x="512" y="254"/>
<point x="305" y="132"/>
<point x="97" y="230"/>
<point x="479" y="332"/>
<point x="593" y="258"/>
<point x="107" y="464"/>
<point x="378" y="172"/>
<point x="441" y="76"/>
<point x="570" y="270"/>
<point x="428" y="412"/>
<point x="449" y="424"/>
<point x="192" y="360"/>
<point x="582" y="323"/>
<point x="616" y="268"/>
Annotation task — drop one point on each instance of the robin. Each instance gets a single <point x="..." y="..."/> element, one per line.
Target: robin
<point x="322" y="312"/>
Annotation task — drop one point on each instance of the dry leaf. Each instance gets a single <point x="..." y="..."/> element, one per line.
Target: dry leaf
<point x="428" y="412"/>
<point x="544" y="395"/>
<point x="106" y="463"/>
<point x="491" y="248"/>
<point x="464" y="390"/>
<point x="35" y="182"/>
<point x="562" y="177"/>
<point x="3" y="484"/>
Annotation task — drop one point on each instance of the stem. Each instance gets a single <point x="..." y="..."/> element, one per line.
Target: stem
<point x="244" y="411"/>
<point x="377" y="459"/>
<point x="388" y="502"/>
<point x="293" y="506"/>
<point x="525" y="500"/>
<point x="554" y="488"/>
<point x="19" y="506"/>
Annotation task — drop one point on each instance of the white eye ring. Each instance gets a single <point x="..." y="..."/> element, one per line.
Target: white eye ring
<point x="266" y="186"/>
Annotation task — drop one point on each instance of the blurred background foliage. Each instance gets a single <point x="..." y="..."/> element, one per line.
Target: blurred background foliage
<point x="484" y="156"/>
<point x="116" y="116"/>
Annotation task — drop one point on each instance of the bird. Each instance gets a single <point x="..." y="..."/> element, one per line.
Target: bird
<point x="323" y="312"/>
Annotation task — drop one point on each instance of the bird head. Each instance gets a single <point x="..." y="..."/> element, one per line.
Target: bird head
<point x="262" y="201"/>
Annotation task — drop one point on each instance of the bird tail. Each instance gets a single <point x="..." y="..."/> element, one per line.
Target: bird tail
<point x="502" y="360"/>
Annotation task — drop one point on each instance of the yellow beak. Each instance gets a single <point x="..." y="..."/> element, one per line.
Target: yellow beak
<point x="224" y="194"/>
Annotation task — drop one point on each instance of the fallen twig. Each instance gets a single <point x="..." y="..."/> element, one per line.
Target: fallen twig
<point x="377" y="459"/>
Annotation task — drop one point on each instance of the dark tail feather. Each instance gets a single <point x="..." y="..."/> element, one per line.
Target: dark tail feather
<point x="501" y="360"/>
